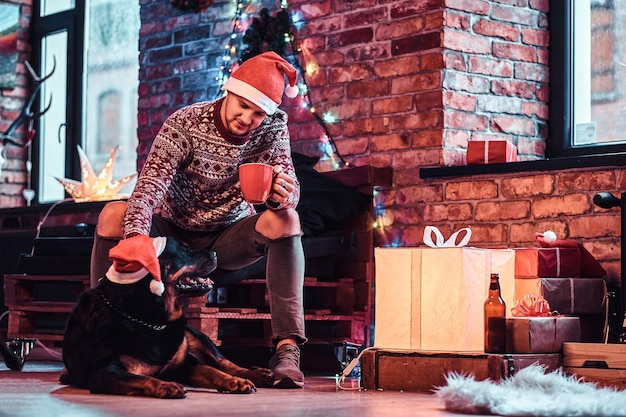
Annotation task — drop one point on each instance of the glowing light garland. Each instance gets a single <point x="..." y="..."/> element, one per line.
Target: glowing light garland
<point x="331" y="159"/>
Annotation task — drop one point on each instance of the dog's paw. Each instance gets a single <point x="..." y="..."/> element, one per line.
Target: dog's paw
<point x="169" y="390"/>
<point x="236" y="385"/>
<point x="262" y="377"/>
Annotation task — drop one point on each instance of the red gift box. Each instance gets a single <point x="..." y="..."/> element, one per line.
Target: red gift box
<point x="490" y="151"/>
<point x="547" y="262"/>
<point x="540" y="334"/>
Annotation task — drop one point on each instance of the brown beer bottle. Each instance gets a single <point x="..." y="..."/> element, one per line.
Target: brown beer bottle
<point x="495" y="323"/>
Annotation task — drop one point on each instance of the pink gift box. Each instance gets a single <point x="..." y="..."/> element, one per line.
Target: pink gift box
<point x="540" y="334"/>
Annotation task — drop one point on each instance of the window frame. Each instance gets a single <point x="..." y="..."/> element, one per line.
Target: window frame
<point x="560" y="138"/>
<point x="71" y="20"/>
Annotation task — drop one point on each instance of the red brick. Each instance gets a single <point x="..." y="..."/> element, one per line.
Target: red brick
<point x="371" y="15"/>
<point x="432" y="61"/>
<point x="453" y="157"/>
<point x="349" y="37"/>
<point x="417" y="121"/>
<point x="514" y="52"/>
<point x="396" y="29"/>
<point x="416" y="83"/>
<point x="448" y="212"/>
<point x="349" y="73"/>
<point x="455" y="61"/>
<point x="568" y="205"/>
<point x="459" y="101"/>
<point x="321" y="25"/>
<point x="537" y="37"/>
<point x="457" y="40"/>
<point x="357" y="127"/>
<point x="471" y="190"/>
<point x="527" y="186"/>
<point x="374" y="88"/>
<point x="595" y="226"/>
<point x="526" y="17"/>
<point x="542" y="5"/>
<point x="455" y="20"/>
<point x="189" y="65"/>
<point x="391" y="105"/>
<point x="585" y="181"/>
<point x="418" y="194"/>
<point x="534" y="108"/>
<point x="353" y="146"/>
<point x="370" y="51"/>
<point x="390" y="142"/>
<point x="485" y="65"/>
<point x="531" y="146"/>
<point x="494" y="234"/>
<point x="468" y="82"/>
<point x="464" y="120"/>
<point x="496" y="29"/>
<point x="455" y="138"/>
<point x="502" y="210"/>
<point x="414" y="7"/>
<point x="411" y="158"/>
<point x="416" y="43"/>
<point x="397" y="66"/>
<point x="479" y="7"/>
<point x="426" y="139"/>
<point x="515" y="125"/>
<point x="315" y="9"/>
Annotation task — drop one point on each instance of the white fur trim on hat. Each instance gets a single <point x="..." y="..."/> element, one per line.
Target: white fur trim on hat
<point x="248" y="92"/>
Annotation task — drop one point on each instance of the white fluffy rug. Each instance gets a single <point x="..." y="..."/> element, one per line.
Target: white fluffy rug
<point x="531" y="392"/>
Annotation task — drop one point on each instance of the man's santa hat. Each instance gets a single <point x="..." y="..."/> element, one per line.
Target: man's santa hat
<point x="134" y="258"/>
<point x="261" y="79"/>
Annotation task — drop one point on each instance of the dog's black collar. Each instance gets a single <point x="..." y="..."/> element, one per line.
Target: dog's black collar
<point x="124" y="314"/>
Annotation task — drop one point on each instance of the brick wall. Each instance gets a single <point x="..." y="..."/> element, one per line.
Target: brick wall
<point x="13" y="169"/>
<point x="411" y="82"/>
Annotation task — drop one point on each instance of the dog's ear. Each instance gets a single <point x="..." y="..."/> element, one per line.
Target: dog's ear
<point x="137" y="252"/>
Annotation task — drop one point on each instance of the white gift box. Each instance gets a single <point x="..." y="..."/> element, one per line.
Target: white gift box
<point x="432" y="298"/>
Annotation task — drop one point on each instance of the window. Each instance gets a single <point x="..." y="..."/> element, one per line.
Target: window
<point x="587" y="77"/>
<point x="93" y="48"/>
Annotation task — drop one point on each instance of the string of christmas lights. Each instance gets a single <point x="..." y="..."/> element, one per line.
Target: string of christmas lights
<point x="331" y="159"/>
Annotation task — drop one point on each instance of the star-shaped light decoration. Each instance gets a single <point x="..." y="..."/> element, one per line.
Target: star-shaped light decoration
<point x="96" y="187"/>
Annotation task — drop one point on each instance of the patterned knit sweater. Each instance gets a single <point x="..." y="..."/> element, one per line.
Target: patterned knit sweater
<point x="190" y="177"/>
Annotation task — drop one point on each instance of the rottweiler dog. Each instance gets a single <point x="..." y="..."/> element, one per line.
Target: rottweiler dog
<point x="122" y="338"/>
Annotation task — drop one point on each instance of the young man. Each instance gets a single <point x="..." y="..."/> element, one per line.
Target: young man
<point x="189" y="189"/>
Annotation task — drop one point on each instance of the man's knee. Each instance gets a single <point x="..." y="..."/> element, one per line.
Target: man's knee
<point x="275" y="224"/>
<point x="111" y="219"/>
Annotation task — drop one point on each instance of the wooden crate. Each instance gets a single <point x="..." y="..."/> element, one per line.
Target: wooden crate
<point x="604" y="364"/>
<point x="422" y="371"/>
<point x="39" y="305"/>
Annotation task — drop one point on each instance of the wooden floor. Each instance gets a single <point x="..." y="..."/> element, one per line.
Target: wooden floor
<point x="35" y="391"/>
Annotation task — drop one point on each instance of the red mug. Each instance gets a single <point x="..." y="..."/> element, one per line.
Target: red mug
<point x="255" y="180"/>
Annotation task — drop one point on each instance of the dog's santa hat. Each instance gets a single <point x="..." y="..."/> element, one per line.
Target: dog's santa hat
<point x="261" y="79"/>
<point x="134" y="258"/>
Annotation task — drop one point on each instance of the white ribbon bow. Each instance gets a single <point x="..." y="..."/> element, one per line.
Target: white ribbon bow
<point x="439" y="240"/>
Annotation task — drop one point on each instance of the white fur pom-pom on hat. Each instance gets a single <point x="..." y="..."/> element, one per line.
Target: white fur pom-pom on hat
<point x="549" y="236"/>
<point x="546" y="238"/>
<point x="261" y="79"/>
